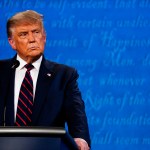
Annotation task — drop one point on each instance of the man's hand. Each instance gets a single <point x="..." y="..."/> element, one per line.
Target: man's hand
<point x="82" y="144"/>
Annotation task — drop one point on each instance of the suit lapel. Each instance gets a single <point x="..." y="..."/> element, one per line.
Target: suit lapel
<point x="45" y="76"/>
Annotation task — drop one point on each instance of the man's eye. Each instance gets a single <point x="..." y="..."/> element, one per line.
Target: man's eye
<point x="36" y="31"/>
<point x="22" y="35"/>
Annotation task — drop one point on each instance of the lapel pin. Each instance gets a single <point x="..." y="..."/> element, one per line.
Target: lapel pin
<point x="49" y="75"/>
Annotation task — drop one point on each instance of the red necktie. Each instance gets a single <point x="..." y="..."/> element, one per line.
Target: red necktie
<point x="25" y="101"/>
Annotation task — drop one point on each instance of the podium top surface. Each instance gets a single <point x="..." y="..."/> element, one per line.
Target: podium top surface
<point x="31" y="131"/>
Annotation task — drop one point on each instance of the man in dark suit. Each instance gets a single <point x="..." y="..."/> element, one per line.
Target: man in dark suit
<point x="56" y="96"/>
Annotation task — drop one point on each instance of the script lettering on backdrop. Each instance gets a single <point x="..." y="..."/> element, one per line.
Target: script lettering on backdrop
<point x="108" y="42"/>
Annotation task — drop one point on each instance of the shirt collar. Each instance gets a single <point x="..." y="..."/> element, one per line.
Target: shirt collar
<point x="36" y="64"/>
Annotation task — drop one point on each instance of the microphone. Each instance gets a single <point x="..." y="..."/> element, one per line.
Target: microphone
<point x="16" y="64"/>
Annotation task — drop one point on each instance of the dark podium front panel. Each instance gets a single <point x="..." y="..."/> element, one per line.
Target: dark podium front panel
<point x="14" y="138"/>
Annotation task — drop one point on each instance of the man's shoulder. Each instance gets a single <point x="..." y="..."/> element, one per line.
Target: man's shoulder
<point x="62" y="70"/>
<point x="5" y="63"/>
<point x="59" y="66"/>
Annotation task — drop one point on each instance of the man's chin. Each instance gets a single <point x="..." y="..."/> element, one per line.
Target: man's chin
<point x="35" y="56"/>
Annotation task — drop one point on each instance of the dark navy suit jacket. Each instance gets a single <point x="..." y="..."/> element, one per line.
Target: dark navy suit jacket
<point x="57" y="98"/>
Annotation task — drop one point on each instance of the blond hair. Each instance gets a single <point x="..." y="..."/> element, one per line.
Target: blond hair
<point x="25" y="17"/>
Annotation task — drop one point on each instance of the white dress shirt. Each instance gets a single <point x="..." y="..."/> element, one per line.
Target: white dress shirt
<point x="19" y="76"/>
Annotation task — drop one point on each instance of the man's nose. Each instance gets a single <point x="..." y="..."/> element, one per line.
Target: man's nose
<point x="31" y="37"/>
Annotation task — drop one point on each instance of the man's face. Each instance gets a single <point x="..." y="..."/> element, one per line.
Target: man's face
<point x="29" y="41"/>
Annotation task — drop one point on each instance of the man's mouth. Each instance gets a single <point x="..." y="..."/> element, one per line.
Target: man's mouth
<point x="33" y="47"/>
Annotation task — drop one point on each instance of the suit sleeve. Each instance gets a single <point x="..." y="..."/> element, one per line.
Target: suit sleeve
<point x="75" y="109"/>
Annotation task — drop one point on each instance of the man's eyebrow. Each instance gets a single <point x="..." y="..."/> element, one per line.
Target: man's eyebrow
<point x="35" y="30"/>
<point x="22" y="32"/>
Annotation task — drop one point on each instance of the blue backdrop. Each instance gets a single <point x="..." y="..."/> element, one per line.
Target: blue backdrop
<point x="108" y="41"/>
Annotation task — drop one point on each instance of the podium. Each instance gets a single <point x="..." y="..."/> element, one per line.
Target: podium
<point x="35" y="138"/>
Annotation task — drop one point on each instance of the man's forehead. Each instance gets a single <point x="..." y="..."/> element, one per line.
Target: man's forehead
<point x="27" y="27"/>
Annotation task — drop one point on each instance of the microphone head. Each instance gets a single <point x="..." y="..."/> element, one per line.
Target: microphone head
<point x="16" y="64"/>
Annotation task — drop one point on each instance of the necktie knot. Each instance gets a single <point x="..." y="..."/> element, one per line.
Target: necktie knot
<point x="29" y="67"/>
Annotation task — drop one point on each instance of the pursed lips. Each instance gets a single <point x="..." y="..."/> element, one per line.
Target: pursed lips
<point x="33" y="47"/>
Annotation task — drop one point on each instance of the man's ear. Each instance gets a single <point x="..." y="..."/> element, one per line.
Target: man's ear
<point x="12" y="43"/>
